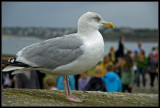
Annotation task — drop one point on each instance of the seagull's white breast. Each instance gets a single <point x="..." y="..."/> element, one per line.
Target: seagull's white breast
<point x="93" y="49"/>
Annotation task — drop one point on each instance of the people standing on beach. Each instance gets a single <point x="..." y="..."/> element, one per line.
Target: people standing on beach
<point x="96" y="83"/>
<point x="141" y="61"/>
<point x="112" y="80"/>
<point x="127" y="74"/>
<point x="104" y="64"/>
<point x="83" y="81"/>
<point x="29" y="80"/>
<point x="50" y="83"/>
<point x="139" y="48"/>
<point x="120" y="50"/>
<point x="152" y="69"/>
<point x="112" y="55"/>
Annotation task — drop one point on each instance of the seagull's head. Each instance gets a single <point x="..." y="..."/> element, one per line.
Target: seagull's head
<point x="92" y="21"/>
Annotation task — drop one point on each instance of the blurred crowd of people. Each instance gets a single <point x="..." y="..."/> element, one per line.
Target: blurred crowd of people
<point x="116" y="73"/>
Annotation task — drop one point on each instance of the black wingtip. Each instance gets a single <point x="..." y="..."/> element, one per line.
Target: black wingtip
<point x="12" y="60"/>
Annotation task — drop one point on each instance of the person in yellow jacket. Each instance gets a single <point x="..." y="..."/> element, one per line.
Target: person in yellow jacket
<point x="104" y="64"/>
<point x="112" y="54"/>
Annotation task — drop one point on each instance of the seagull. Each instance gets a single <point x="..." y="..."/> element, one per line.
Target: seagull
<point x="65" y="55"/>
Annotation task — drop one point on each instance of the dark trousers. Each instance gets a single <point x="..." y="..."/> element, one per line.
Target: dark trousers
<point x="152" y="77"/>
<point x="126" y="87"/>
<point x="76" y="80"/>
<point x="141" y="71"/>
<point x="135" y="72"/>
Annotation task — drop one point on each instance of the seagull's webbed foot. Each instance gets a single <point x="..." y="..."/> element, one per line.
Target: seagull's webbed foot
<point x="75" y="99"/>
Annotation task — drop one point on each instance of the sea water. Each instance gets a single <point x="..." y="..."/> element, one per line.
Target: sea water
<point x="13" y="45"/>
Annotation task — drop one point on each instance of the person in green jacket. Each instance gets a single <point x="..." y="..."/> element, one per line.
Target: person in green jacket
<point x="127" y="74"/>
<point x="141" y="61"/>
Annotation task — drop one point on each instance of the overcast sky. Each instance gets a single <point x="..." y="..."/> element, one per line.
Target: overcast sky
<point x="66" y="14"/>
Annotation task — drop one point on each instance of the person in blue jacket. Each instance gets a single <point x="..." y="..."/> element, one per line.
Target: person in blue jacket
<point x="112" y="80"/>
<point x="71" y="80"/>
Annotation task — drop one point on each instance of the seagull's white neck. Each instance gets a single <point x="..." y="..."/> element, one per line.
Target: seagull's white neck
<point x="86" y="30"/>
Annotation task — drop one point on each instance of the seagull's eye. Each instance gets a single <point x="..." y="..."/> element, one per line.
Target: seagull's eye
<point x="97" y="18"/>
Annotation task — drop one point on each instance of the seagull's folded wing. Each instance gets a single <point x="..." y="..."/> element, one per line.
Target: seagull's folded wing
<point x="52" y="53"/>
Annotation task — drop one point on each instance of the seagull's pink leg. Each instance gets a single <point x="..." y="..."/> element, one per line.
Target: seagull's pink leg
<point x="64" y="84"/>
<point x="66" y="89"/>
<point x="72" y="98"/>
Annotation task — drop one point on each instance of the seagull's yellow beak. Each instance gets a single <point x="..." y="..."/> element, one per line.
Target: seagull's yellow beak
<point x="108" y="24"/>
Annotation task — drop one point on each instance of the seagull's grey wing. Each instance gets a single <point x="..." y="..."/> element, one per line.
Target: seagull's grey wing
<point x="54" y="52"/>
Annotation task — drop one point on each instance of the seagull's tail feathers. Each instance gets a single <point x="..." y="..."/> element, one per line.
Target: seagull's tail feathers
<point x="11" y="68"/>
<point x="9" y="65"/>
